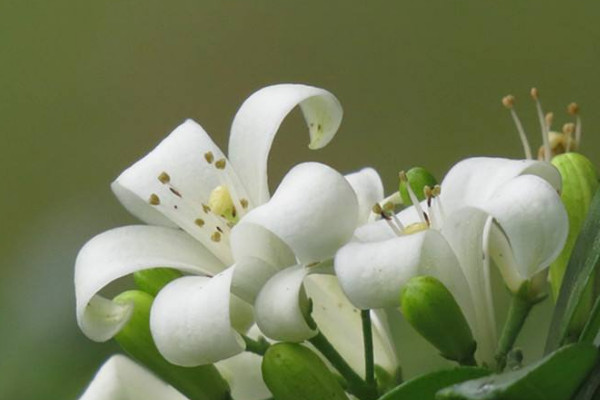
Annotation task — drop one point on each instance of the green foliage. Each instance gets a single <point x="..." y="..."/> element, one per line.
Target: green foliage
<point x="293" y="372"/>
<point x="197" y="383"/>
<point x="556" y="377"/>
<point x="580" y="273"/>
<point x="426" y="386"/>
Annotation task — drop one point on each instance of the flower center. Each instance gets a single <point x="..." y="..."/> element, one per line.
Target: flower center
<point x="221" y="204"/>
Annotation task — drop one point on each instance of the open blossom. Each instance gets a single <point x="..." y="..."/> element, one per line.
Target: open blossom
<point x="212" y="217"/>
<point x="488" y="209"/>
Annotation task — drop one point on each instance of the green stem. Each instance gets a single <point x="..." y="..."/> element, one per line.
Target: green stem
<point x="259" y="346"/>
<point x="356" y="385"/>
<point x="521" y="304"/>
<point x="368" y="342"/>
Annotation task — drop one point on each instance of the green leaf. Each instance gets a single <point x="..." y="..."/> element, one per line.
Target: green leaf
<point x="556" y="377"/>
<point x="425" y="387"/>
<point x="590" y="386"/>
<point x="580" y="272"/>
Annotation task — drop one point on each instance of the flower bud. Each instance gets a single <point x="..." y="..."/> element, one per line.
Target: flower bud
<point x="418" y="178"/>
<point x="293" y="372"/>
<point x="152" y="280"/>
<point x="432" y="310"/>
<point x="202" y="383"/>
<point x="579" y="184"/>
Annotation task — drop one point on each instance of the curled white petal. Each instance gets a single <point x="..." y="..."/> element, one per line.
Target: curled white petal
<point x="312" y="196"/>
<point x="122" y="379"/>
<point x="282" y="307"/>
<point x="369" y="191"/>
<point x="178" y="176"/>
<point x="472" y="182"/>
<point x="122" y="251"/>
<point x="258" y="120"/>
<point x="534" y="220"/>
<point x="191" y="320"/>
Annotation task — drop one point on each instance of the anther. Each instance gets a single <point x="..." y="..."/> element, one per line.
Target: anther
<point x="244" y="203"/>
<point x="154" y="199"/>
<point x="205" y="208"/>
<point x="199" y="222"/>
<point x="573" y="109"/>
<point x="209" y="157"/>
<point x="509" y="102"/>
<point x="216" y="237"/>
<point x="549" y="119"/>
<point x="568" y="130"/>
<point x="220" y="164"/>
<point x="164" y="178"/>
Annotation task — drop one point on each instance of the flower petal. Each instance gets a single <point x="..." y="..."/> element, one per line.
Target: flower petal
<point x="120" y="378"/>
<point x="465" y="232"/>
<point x="472" y="182"/>
<point x="191" y="320"/>
<point x="369" y="190"/>
<point x="171" y="185"/>
<point x="341" y="323"/>
<point x="258" y="119"/>
<point x="373" y="274"/>
<point x="244" y="375"/>
<point x="534" y="220"/>
<point x="282" y="307"/>
<point x="122" y="251"/>
<point x="314" y="211"/>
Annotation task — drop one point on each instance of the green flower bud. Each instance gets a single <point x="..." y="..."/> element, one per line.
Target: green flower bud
<point x="580" y="182"/>
<point x="293" y="372"/>
<point x="418" y="178"/>
<point x="197" y="383"/>
<point x="431" y="309"/>
<point x="152" y="280"/>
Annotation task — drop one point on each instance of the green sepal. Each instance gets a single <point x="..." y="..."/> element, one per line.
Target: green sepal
<point x="556" y="377"/>
<point x="418" y="178"/>
<point x="196" y="383"/>
<point x="432" y="310"/>
<point x="153" y="280"/>
<point x="293" y="372"/>
<point x="425" y="387"/>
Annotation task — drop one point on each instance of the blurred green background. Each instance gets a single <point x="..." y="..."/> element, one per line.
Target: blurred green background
<point x="86" y="88"/>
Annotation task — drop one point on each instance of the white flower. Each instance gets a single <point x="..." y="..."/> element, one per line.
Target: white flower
<point x="122" y="379"/>
<point x="211" y="217"/>
<point x="489" y="209"/>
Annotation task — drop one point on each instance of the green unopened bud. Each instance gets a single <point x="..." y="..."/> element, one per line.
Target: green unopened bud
<point x="153" y="280"/>
<point x="431" y="309"/>
<point x="579" y="184"/>
<point x="293" y="372"/>
<point x="418" y="178"/>
<point x="197" y="383"/>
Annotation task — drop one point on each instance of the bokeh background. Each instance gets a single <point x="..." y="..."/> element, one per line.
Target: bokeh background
<point x="86" y="88"/>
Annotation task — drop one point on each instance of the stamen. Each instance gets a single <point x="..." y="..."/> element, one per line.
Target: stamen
<point x="413" y="197"/>
<point x="547" y="150"/>
<point x="209" y="157"/>
<point x="154" y="199"/>
<point x="220" y="164"/>
<point x="216" y="237"/>
<point x="568" y="130"/>
<point x="205" y="208"/>
<point x="244" y="203"/>
<point x="199" y="222"/>
<point x="573" y="109"/>
<point x="509" y="102"/>
<point x="175" y="191"/>
<point x="549" y="118"/>
<point x="390" y="218"/>
<point x="164" y="177"/>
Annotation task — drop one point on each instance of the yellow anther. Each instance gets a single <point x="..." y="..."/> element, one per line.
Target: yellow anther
<point x="573" y="109"/>
<point x="568" y="128"/>
<point x="164" y="178"/>
<point x="377" y="209"/>
<point x="402" y="176"/>
<point x="244" y="203"/>
<point x="205" y="208"/>
<point x="199" y="222"/>
<point x="534" y="93"/>
<point x="549" y="118"/>
<point x="216" y="237"/>
<point x="508" y="101"/>
<point x="437" y="190"/>
<point x="414" y="228"/>
<point x="209" y="157"/>
<point x="389" y="207"/>
<point x="220" y="164"/>
<point x="154" y="199"/>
